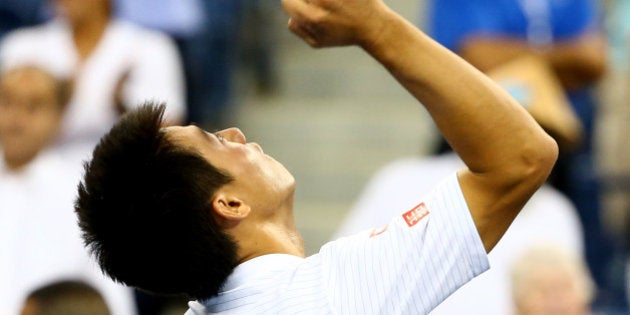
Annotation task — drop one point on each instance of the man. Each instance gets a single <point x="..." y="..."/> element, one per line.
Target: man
<point x="39" y="239"/>
<point x="180" y="210"/>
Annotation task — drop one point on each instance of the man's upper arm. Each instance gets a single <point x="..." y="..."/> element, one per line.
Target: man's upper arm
<point x="493" y="204"/>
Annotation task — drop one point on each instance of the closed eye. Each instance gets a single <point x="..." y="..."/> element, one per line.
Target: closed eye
<point x="220" y="137"/>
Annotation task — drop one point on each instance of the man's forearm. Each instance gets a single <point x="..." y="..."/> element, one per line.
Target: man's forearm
<point x="507" y="153"/>
<point x="481" y="121"/>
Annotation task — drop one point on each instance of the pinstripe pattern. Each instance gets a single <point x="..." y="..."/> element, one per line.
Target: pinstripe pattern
<point x="404" y="270"/>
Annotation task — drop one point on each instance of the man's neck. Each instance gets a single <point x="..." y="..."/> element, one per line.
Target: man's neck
<point x="277" y="235"/>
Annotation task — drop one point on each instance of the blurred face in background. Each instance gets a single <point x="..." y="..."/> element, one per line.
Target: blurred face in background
<point x="30" y="114"/>
<point x="552" y="292"/>
<point x="77" y="11"/>
<point x="551" y="281"/>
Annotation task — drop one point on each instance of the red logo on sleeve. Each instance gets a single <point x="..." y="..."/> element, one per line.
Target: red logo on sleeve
<point x="416" y="214"/>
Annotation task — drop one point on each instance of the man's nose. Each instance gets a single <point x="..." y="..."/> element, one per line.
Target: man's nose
<point x="233" y="134"/>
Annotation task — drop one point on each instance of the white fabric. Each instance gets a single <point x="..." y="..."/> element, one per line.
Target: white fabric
<point x="150" y="57"/>
<point x="39" y="236"/>
<point x="549" y="217"/>
<point x="403" y="268"/>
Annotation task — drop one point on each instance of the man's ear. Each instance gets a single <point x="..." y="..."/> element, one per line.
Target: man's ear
<point x="229" y="207"/>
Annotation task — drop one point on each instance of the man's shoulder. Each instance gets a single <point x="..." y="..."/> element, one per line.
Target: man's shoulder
<point x="268" y="284"/>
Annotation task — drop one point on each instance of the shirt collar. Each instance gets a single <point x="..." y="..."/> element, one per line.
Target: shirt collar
<point x="256" y="268"/>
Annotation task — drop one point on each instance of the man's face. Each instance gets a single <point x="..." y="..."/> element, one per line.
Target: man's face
<point x="30" y="116"/>
<point x="261" y="181"/>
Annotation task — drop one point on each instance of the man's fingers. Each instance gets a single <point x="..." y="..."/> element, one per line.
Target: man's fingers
<point x="304" y="11"/>
<point x="296" y="8"/>
<point x="302" y="32"/>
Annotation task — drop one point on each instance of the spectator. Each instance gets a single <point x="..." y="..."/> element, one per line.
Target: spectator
<point x="206" y="33"/>
<point x="547" y="280"/>
<point x="115" y="65"/>
<point x="39" y="238"/>
<point x="214" y="37"/>
<point x="65" y="298"/>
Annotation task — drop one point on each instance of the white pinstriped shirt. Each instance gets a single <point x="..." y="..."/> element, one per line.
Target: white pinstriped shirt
<point x="407" y="267"/>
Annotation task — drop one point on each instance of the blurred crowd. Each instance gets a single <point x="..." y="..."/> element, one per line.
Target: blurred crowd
<point x="70" y="68"/>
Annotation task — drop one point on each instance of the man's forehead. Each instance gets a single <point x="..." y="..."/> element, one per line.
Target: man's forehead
<point x="179" y="130"/>
<point x="183" y="135"/>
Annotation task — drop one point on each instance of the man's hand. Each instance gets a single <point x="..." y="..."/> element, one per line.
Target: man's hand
<point x="326" y="23"/>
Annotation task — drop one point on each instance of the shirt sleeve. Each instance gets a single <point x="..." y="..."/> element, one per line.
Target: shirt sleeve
<point x="412" y="264"/>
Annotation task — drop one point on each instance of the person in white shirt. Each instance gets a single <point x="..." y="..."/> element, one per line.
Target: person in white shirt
<point x="65" y="297"/>
<point x="178" y="210"/>
<point x="40" y="241"/>
<point x="115" y="65"/>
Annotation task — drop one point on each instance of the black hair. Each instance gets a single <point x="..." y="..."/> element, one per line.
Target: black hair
<point x="144" y="209"/>
<point x="67" y="297"/>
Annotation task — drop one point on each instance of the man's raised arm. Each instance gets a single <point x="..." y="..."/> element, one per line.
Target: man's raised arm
<point x="508" y="156"/>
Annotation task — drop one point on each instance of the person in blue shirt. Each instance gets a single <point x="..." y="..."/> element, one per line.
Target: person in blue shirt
<point x="567" y="35"/>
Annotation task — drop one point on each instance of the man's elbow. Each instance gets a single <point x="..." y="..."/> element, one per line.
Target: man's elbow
<point x="538" y="160"/>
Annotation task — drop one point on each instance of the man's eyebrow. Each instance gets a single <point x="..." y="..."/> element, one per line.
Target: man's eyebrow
<point x="201" y="132"/>
<point x="208" y="135"/>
